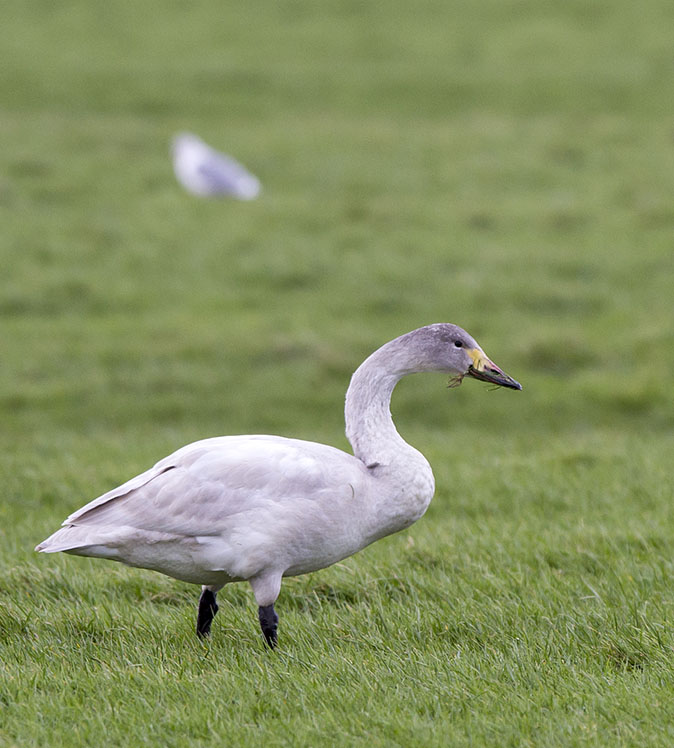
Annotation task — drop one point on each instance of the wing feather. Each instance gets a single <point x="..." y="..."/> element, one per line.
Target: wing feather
<point x="197" y="490"/>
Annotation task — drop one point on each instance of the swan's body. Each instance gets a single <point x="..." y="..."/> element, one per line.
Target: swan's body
<point x="223" y="509"/>
<point x="258" y="508"/>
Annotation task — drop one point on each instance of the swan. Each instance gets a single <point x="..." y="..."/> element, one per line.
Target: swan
<point x="258" y="508"/>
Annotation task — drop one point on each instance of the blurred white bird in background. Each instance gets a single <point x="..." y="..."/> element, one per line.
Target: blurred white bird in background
<point x="205" y="172"/>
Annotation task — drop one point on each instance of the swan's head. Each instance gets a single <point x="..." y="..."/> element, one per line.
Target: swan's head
<point x="449" y="348"/>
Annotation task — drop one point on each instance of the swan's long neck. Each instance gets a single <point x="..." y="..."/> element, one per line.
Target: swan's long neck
<point x="403" y="477"/>
<point x="369" y="426"/>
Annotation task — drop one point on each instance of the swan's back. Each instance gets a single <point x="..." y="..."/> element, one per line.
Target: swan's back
<point x="197" y="489"/>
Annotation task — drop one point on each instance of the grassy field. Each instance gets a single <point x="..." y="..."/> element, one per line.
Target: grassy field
<point x="507" y="166"/>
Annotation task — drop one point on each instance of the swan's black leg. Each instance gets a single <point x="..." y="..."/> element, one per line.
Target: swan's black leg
<point x="207" y="610"/>
<point x="268" y="624"/>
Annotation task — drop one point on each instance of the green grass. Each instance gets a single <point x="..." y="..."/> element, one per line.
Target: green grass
<point x="507" y="166"/>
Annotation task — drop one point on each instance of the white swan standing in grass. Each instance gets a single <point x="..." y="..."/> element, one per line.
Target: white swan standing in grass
<point x="259" y="508"/>
<point x="205" y="172"/>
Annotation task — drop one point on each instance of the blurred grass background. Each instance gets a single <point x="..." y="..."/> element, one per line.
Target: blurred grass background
<point x="507" y="166"/>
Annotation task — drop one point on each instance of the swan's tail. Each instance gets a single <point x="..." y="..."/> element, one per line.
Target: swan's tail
<point x="81" y="541"/>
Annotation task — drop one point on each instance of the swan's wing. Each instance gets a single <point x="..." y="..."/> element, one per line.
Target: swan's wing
<point x="185" y="456"/>
<point x="126" y="488"/>
<point x="198" y="489"/>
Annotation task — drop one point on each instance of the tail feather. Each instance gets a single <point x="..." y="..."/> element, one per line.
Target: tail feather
<point x="77" y="540"/>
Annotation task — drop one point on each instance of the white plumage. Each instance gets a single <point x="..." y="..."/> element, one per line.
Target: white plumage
<point x="205" y="172"/>
<point x="259" y="508"/>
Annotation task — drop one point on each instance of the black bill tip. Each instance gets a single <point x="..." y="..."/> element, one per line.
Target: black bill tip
<point x="492" y="374"/>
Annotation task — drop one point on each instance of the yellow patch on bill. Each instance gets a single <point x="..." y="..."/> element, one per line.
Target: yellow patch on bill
<point x="479" y="359"/>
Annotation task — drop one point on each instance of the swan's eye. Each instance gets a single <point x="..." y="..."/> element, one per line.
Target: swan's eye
<point x="458" y="344"/>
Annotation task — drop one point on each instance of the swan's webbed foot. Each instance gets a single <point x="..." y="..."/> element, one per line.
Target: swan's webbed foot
<point x="206" y="613"/>
<point x="268" y="624"/>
